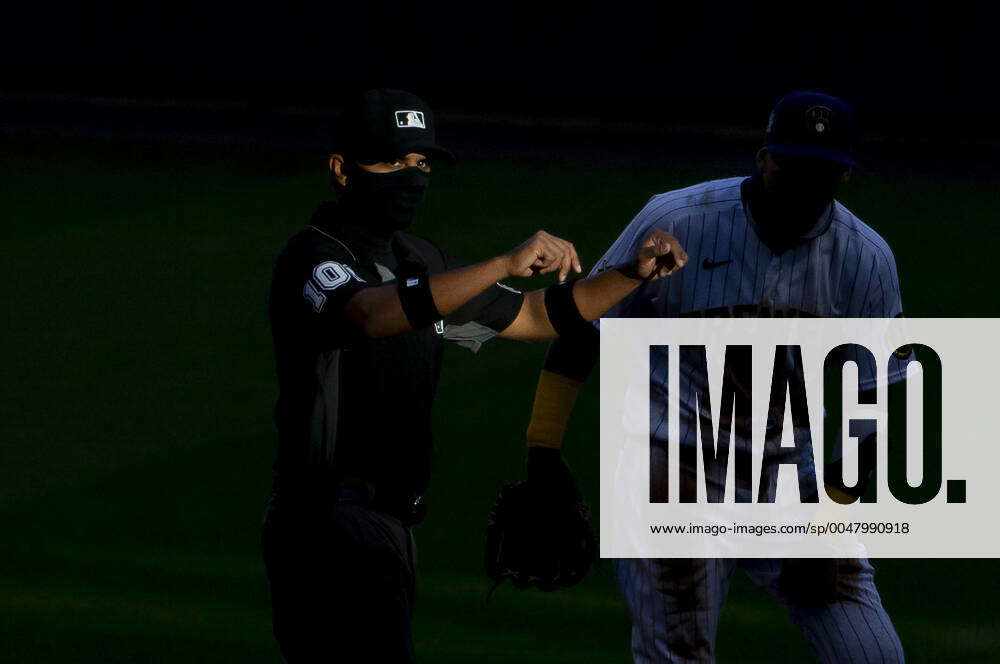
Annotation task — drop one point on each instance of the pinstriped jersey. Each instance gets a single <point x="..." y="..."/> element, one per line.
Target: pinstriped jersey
<point x="844" y="268"/>
<point x="841" y="268"/>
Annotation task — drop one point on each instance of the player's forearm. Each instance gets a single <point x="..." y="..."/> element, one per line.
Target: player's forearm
<point x="380" y="312"/>
<point x="595" y="295"/>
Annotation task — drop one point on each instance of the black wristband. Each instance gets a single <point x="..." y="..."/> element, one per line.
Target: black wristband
<point x="417" y="302"/>
<point x="563" y="312"/>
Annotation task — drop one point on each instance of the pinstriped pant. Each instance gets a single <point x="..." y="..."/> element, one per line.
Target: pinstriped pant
<point x="675" y="606"/>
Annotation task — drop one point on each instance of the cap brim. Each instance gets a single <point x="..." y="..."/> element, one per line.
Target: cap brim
<point x="799" y="150"/>
<point x="431" y="150"/>
<point x="435" y="152"/>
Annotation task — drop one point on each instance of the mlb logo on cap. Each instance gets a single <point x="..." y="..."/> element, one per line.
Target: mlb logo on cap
<point x="378" y="126"/>
<point x="410" y="119"/>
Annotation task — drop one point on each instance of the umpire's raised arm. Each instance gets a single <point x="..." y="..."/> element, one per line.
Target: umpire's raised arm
<point x="419" y="301"/>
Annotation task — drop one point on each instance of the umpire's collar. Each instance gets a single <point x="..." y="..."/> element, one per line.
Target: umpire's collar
<point x="368" y="245"/>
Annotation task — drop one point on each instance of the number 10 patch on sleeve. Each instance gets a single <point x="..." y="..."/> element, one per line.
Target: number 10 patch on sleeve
<point x="327" y="276"/>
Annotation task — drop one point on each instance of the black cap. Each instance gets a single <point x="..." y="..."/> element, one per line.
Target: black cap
<point x="383" y="124"/>
<point x="812" y="124"/>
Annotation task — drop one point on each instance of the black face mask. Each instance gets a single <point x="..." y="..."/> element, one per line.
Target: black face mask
<point x="793" y="205"/>
<point x="797" y="201"/>
<point x="385" y="202"/>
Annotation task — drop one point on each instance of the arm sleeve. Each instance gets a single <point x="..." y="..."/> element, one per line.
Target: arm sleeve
<point x="576" y="357"/>
<point x="570" y="360"/>
<point x="573" y="357"/>
<point x="484" y="316"/>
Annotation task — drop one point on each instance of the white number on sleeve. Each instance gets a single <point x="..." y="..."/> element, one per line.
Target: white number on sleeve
<point x="315" y="298"/>
<point x="327" y="276"/>
<point x="330" y="275"/>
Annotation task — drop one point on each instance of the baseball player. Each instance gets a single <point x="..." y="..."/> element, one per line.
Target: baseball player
<point x="359" y="312"/>
<point x="773" y="244"/>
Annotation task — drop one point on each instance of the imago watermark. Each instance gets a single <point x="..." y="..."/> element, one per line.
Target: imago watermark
<point x="798" y="437"/>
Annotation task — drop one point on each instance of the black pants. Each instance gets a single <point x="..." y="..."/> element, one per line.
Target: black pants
<point x="342" y="582"/>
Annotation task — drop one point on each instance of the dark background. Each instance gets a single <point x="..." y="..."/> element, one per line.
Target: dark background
<point x="923" y="66"/>
<point x="915" y="70"/>
<point x="153" y="159"/>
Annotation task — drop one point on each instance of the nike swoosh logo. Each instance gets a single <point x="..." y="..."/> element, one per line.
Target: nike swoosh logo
<point x="708" y="265"/>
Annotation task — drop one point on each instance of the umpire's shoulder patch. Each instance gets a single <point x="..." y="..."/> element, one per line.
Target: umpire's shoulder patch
<point x="313" y="296"/>
<point x="329" y="275"/>
<point x="326" y="277"/>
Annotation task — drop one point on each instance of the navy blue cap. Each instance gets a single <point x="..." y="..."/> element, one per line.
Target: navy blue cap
<point x="384" y="124"/>
<point x="812" y="124"/>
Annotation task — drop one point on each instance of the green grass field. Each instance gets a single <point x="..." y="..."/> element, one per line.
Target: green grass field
<point x="136" y="411"/>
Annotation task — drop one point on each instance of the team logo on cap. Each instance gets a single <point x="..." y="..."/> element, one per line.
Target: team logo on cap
<point x="410" y="119"/>
<point x="818" y="119"/>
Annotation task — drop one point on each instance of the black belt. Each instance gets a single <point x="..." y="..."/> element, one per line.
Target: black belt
<point x="411" y="509"/>
<point x="408" y="508"/>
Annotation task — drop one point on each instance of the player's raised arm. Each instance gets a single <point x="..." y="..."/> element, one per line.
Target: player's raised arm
<point x="564" y="309"/>
<point x="572" y="357"/>
<point x="419" y="300"/>
<point x="539" y="532"/>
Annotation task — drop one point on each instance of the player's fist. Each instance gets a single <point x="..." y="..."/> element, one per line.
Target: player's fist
<point x="540" y="254"/>
<point x="659" y="255"/>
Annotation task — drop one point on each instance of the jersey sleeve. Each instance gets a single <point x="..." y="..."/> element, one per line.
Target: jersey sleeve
<point x="884" y="298"/>
<point x="885" y="301"/>
<point x="878" y="297"/>
<point x="624" y="249"/>
<point x="326" y="281"/>
<point x="484" y="316"/>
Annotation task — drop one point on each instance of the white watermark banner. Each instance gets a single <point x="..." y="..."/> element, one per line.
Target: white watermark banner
<point x="799" y="437"/>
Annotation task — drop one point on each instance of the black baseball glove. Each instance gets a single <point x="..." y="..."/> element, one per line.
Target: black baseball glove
<point x="539" y="531"/>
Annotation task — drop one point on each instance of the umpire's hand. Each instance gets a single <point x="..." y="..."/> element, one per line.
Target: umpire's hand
<point x="543" y="253"/>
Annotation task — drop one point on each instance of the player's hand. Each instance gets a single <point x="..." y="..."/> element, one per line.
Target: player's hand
<point x="660" y="254"/>
<point x="543" y="253"/>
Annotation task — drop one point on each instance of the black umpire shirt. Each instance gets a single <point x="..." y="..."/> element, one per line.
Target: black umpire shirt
<point x="352" y="408"/>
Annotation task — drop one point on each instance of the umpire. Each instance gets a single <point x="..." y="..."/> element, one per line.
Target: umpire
<point x="359" y="312"/>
